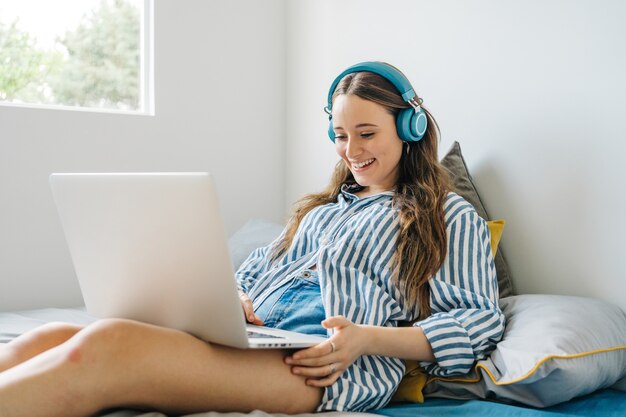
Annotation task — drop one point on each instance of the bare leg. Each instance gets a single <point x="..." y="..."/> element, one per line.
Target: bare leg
<point x="115" y="363"/>
<point x="32" y="343"/>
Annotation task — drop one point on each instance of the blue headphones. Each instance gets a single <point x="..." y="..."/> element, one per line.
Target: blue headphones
<point x="410" y="123"/>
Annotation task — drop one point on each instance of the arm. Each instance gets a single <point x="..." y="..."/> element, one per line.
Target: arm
<point x="255" y="265"/>
<point x="465" y="325"/>
<point x="328" y="360"/>
<point x="247" y="274"/>
<point x="407" y="343"/>
<point x="466" y="322"/>
<point x="251" y="269"/>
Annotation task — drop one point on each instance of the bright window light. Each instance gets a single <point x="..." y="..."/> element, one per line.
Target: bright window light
<point x="77" y="54"/>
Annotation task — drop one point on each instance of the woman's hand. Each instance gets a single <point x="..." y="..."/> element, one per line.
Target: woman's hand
<point x="322" y="364"/>
<point x="248" y="311"/>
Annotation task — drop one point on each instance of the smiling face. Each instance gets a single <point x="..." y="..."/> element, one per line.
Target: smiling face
<point x="367" y="141"/>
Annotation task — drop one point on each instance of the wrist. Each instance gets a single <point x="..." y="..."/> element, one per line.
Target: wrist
<point x="368" y="347"/>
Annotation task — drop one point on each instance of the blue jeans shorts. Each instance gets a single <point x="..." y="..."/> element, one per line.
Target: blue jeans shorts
<point x="295" y="306"/>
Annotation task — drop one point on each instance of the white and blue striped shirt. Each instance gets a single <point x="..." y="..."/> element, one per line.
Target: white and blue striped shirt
<point x="352" y="243"/>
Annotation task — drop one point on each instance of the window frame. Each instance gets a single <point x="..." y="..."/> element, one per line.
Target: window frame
<point x="146" y="81"/>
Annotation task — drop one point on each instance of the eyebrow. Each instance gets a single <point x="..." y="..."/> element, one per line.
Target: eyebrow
<point x="359" y="125"/>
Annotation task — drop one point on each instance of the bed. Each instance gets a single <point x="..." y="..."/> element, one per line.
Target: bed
<point x="608" y="401"/>
<point x="559" y="356"/>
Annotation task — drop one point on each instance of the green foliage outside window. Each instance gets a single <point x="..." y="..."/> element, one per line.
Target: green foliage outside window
<point x="95" y="65"/>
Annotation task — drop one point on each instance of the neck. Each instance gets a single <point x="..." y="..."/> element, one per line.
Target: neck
<point x="369" y="191"/>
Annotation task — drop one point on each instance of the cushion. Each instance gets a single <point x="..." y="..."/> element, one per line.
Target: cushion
<point x="254" y="234"/>
<point x="496" y="227"/>
<point x="463" y="184"/>
<point x="554" y="348"/>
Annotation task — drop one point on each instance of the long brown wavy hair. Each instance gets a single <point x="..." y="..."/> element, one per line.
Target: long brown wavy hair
<point x="420" y="195"/>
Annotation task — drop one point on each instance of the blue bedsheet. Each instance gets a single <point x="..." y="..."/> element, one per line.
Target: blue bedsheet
<point x="603" y="403"/>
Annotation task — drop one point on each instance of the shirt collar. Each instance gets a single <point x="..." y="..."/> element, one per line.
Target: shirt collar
<point x="349" y="190"/>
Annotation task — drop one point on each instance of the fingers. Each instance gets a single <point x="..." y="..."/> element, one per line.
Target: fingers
<point x="335" y="321"/>
<point x="322" y="376"/>
<point x="313" y="356"/>
<point x="324" y="363"/>
<point x="315" y="361"/>
<point x="324" y="382"/>
<point x="248" y="310"/>
<point x="323" y="371"/>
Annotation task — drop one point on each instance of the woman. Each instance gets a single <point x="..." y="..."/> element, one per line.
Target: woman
<point x="384" y="245"/>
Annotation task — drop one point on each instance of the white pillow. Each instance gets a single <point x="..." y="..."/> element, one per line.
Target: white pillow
<point x="254" y="234"/>
<point x="554" y="348"/>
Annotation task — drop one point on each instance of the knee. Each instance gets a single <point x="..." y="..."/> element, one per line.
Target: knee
<point x="107" y="332"/>
<point x="59" y="330"/>
<point x="101" y="340"/>
<point x="46" y="336"/>
<point x="93" y="360"/>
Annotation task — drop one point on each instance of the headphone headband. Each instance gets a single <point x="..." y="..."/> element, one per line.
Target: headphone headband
<point x="410" y="123"/>
<point x="384" y="70"/>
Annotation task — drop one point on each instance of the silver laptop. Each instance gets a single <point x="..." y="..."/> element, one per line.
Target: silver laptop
<point x="152" y="247"/>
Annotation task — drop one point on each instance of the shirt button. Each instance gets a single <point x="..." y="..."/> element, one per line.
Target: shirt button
<point x="306" y="274"/>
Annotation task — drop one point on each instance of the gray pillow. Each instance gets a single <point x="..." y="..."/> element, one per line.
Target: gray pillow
<point x="463" y="185"/>
<point x="554" y="348"/>
<point x="254" y="234"/>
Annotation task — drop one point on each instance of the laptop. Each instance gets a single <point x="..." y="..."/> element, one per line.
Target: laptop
<point x="151" y="247"/>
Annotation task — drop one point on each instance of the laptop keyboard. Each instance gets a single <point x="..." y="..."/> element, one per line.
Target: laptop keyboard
<point x="263" y="335"/>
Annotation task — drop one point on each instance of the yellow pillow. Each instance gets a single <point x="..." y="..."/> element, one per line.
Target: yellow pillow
<point x="496" y="227"/>
<point x="412" y="384"/>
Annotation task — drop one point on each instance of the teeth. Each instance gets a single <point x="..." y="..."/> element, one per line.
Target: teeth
<point x="364" y="163"/>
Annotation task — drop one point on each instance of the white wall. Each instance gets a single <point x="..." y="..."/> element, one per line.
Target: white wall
<point x="535" y="93"/>
<point x="219" y="107"/>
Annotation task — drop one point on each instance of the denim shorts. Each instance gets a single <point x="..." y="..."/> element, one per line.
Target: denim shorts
<point x="295" y="306"/>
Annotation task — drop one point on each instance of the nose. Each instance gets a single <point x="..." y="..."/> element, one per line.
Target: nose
<point x="353" y="148"/>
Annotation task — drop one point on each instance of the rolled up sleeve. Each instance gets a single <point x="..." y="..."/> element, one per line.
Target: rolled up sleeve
<point x="466" y="321"/>
<point x="254" y="265"/>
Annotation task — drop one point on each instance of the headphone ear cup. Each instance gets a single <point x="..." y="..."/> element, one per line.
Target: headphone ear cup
<point x="419" y="122"/>
<point x="331" y="131"/>
<point x="403" y="124"/>
<point x="411" y="125"/>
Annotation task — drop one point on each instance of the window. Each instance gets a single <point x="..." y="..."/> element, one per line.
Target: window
<point x="81" y="54"/>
